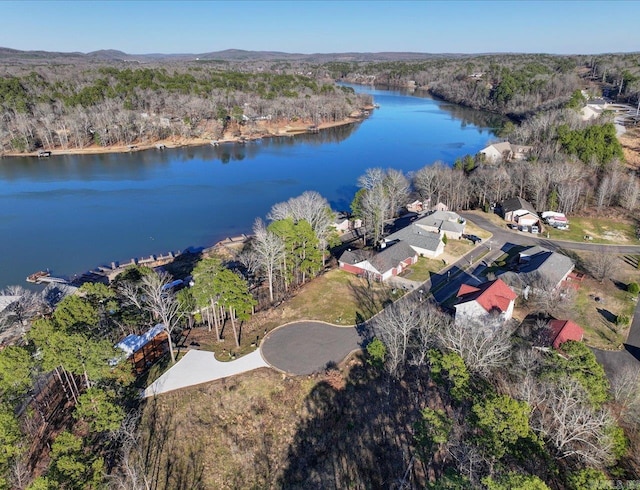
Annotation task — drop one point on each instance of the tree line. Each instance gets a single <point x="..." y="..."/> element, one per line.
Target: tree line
<point x="73" y="107"/>
<point x="517" y="85"/>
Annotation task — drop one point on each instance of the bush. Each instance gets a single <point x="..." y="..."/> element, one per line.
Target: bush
<point x="377" y="352"/>
<point x="633" y="288"/>
<point x="622" y="320"/>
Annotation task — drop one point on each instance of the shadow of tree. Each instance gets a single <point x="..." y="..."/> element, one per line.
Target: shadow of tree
<point x="356" y="437"/>
<point x="169" y="462"/>
<point x="607" y="315"/>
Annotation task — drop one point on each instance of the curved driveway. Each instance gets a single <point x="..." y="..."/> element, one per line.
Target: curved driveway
<point x="307" y="347"/>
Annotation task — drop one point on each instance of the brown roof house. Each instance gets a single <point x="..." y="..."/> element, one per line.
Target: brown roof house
<point x="560" y="331"/>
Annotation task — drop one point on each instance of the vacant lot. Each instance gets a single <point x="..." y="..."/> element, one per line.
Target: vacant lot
<point x="597" y="305"/>
<point x="602" y="230"/>
<point x="336" y="297"/>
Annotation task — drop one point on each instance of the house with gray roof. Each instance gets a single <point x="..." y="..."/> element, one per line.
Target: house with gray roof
<point x="389" y="262"/>
<point x="540" y="267"/>
<point x="425" y="243"/>
<point x="517" y="210"/>
<point x="443" y="222"/>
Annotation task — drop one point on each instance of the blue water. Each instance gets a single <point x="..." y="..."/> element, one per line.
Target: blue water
<point x="72" y="213"/>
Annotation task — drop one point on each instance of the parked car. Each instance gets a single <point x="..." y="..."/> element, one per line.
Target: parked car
<point x="535" y="229"/>
<point x="473" y="238"/>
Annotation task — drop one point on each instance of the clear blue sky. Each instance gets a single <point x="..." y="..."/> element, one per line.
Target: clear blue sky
<point x="136" y="27"/>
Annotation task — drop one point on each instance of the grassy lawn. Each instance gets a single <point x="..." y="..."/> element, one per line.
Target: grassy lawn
<point x="472" y="229"/>
<point x="598" y="317"/>
<point x="336" y="297"/>
<point x="502" y="262"/>
<point x="457" y="248"/>
<point x="423" y="269"/>
<point x="601" y="229"/>
<point x="494" y="218"/>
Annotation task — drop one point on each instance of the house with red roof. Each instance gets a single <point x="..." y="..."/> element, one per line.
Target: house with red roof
<point x="493" y="298"/>
<point x="561" y="331"/>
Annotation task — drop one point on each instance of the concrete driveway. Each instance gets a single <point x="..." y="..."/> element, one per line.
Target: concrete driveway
<point x="307" y="347"/>
<point x="197" y="367"/>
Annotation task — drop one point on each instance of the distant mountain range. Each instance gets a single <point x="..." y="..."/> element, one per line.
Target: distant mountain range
<point x="15" y="55"/>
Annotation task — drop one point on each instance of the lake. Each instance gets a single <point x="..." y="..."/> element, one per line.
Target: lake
<point x="72" y="213"/>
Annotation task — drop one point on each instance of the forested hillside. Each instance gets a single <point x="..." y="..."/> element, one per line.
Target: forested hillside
<point x="73" y="106"/>
<point x="517" y="85"/>
<point x="75" y="100"/>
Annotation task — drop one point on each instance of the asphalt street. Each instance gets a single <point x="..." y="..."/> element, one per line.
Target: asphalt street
<point x="307" y="347"/>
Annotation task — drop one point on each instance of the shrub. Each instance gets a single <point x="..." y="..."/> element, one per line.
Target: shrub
<point x="377" y="352"/>
<point x="622" y="320"/>
<point x="633" y="288"/>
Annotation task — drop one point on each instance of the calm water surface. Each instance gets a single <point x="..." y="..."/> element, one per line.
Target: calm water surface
<point x="72" y="213"/>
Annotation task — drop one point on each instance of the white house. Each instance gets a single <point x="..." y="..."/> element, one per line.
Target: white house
<point x="425" y="243"/>
<point x="489" y="298"/>
<point x="505" y="151"/>
<point x="446" y="223"/>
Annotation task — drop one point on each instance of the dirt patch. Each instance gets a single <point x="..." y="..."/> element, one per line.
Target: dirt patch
<point x="630" y="142"/>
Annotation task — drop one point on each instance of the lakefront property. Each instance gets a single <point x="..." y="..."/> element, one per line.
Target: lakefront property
<point x="425" y="266"/>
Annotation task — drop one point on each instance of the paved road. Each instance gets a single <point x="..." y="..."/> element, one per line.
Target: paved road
<point x="506" y="235"/>
<point x="307" y="347"/>
<point x="613" y="361"/>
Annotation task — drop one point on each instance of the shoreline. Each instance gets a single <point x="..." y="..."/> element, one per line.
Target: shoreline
<point x="281" y="130"/>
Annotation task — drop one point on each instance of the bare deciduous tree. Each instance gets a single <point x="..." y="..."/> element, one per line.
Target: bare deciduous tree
<point x="395" y="327"/>
<point x="161" y="302"/>
<point x="130" y="474"/>
<point x="25" y="305"/>
<point x="311" y="207"/>
<point x="270" y="250"/>
<point x="625" y="389"/>
<point x="483" y="344"/>
<point x="573" y="427"/>
<point x="397" y="187"/>
<point x="602" y="265"/>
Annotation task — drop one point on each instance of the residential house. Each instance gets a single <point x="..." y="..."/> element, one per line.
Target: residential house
<point x="446" y="223"/>
<point x="143" y="350"/>
<point x="389" y="262"/>
<point x="343" y="223"/>
<point x="425" y="243"/>
<point x="540" y="267"/>
<point x="518" y="211"/>
<point x="505" y="152"/>
<point x="560" y="331"/>
<point x="417" y="206"/>
<point x="497" y="152"/>
<point x="492" y="298"/>
<point x="440" y="207"/>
